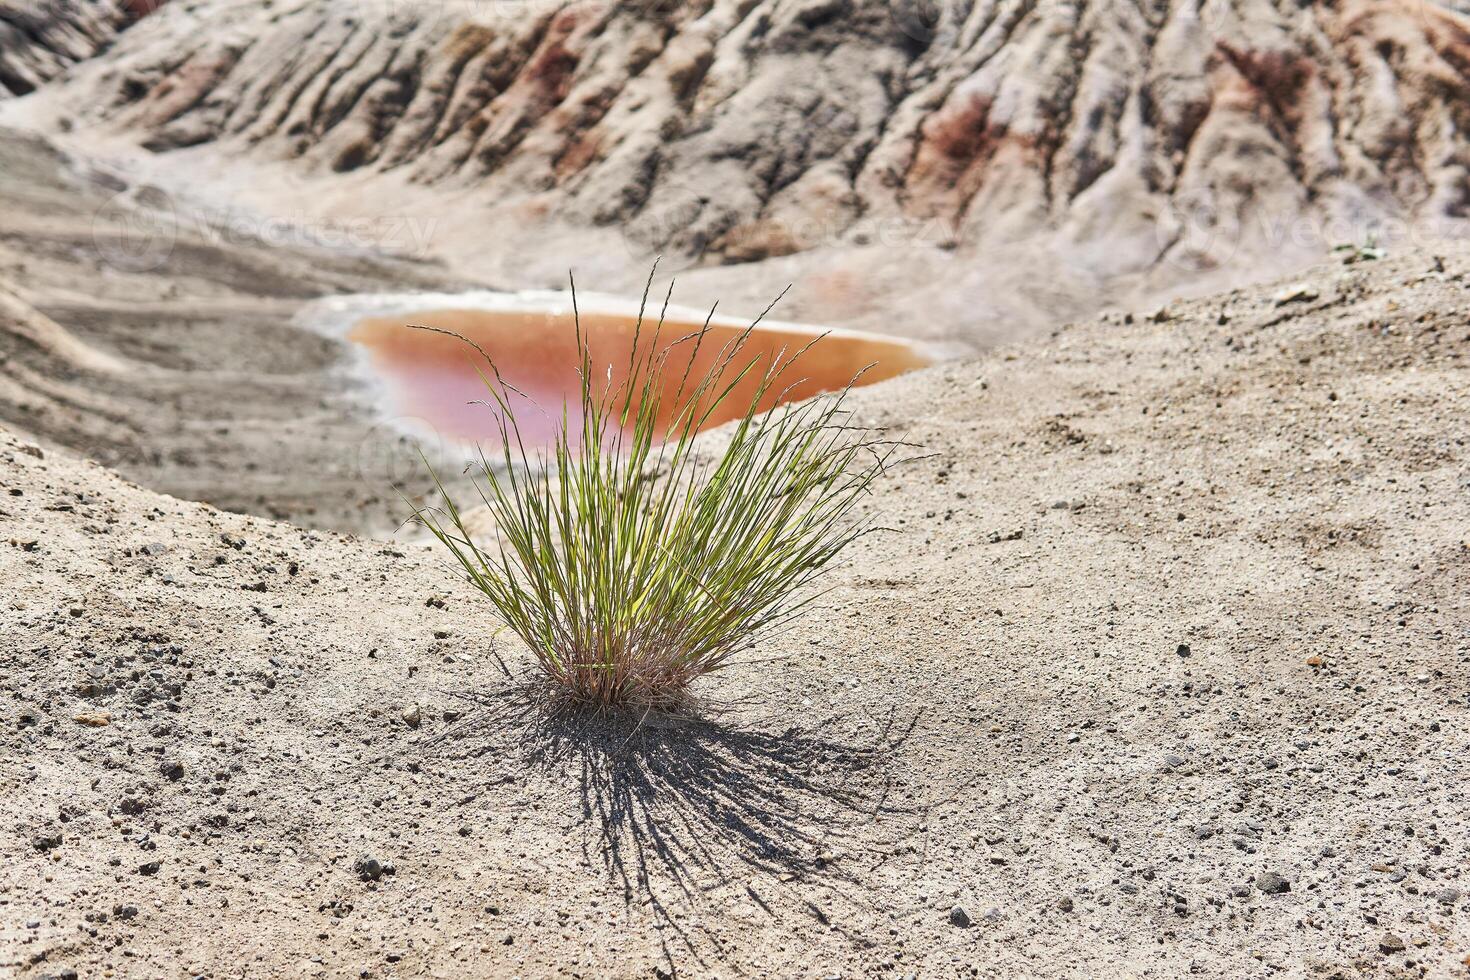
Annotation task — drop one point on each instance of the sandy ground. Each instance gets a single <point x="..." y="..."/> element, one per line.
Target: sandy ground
<point x="1160" y="670"/>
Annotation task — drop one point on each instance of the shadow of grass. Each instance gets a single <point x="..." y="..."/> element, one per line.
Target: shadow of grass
<point x="673" y="808"/>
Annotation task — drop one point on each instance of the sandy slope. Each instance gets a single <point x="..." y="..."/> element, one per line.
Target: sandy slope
<point x="1176" y="607"/>
<point x="158" y="335"/>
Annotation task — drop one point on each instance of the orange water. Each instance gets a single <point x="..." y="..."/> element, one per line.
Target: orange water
<point x="436" y="378"/>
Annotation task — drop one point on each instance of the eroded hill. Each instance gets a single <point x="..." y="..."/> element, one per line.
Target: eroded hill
<point x="952" y="168"/>
<point x="40" y="40"/>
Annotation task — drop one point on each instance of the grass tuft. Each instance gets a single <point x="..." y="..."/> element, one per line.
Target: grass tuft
<point x="633" y="560"/>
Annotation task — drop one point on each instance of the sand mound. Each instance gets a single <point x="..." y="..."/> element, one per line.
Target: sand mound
<point x="1162" y="669"/>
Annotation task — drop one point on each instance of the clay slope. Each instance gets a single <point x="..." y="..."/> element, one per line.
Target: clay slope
<point x="1159" y="672"/>
<point x="1158" y="140"/>
<point x="39" y="39"/>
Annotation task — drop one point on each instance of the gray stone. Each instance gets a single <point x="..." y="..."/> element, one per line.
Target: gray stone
<point x="1273" y="884"/>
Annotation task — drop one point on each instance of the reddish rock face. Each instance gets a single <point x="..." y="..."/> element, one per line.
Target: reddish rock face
<point x="1126" y="142"/>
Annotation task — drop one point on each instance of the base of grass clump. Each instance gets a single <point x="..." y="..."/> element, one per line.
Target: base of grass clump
<point x="655" y="701"/>
<point x="631" y="563"/>
<point x="656" y="693"/>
